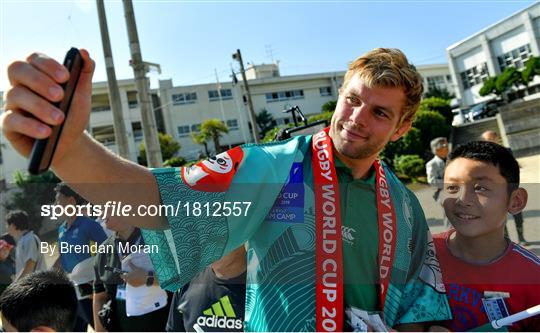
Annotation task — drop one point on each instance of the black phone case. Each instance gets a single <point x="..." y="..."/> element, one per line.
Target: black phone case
<point x="43" y="149"/>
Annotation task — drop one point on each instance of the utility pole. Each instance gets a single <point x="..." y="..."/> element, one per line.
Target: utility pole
<point x="218" y="86"/>
<point x="238" y="56"/>
<point x="120" y="133"/>
<point x="151" y="141"/>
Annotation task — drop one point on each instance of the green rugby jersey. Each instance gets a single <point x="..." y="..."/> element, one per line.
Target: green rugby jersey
<point x="279" y="228"/>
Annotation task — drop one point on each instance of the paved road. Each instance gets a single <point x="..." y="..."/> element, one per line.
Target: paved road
<point x="530" y="180"/>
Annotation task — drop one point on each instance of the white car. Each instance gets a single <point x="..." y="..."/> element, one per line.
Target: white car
<point x="460" y="117"/>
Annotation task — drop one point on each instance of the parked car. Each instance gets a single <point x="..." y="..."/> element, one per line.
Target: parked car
<point x="460" y="116"/>
<point x="483" y="110"/>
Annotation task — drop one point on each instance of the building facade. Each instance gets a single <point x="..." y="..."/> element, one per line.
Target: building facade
<point x="180" y="110"/>
<point x="509" y="42"/>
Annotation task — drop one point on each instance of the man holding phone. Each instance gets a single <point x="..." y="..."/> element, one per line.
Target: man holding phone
<point x="335" y="170"/>
<point x="112" y="281"/>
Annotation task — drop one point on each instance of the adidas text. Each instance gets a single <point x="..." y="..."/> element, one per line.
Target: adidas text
<point x="219" y="322"/>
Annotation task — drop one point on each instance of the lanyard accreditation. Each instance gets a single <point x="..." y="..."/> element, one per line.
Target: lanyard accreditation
<point x="329" y="251"/>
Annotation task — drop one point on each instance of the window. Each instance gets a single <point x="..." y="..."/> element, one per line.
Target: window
<point x="101" y="108"/>
<point x="474" y="75"/>
<point x="195" y="127"/>
<point x="184" y="98"/>
<point x="133" y="104"/>
<point x="517" y="57"/>
<point x="225" y="95"/>
<point x="137" y="131"/>
<point x="183" y="131"/>
<point x="232" y="124"/>
<point x="434" y="80"/>
<point x="284" y="95"/>
<point x="325" y="91"/>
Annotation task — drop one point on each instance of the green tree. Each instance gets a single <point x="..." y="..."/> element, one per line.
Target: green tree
<point x="434" y="91"/>
<point x="169" y="147"/>
<point x="431" y="124"/>
<point x="31" y="193"/>
<point x="489" y="87"/>
<point x="201" y="139"/>
<point x="439" y="105"/>
<point x="265" y="121"/>
<point x="532" y="68"/>
<point x="329" y="106"/>
<point x="510" y="77"/>
<point x="214" y="129"/>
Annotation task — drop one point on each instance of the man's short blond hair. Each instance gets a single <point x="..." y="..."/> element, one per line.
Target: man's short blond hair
<point x="389" y="68"/>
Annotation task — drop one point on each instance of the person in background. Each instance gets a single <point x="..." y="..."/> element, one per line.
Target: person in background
<point x="39" y="302"/>
<point x="492" y="136"/>
<point x="487" y="276"/>
<point x="77" y="230"/>
<point x="7" y="265"/>
<point x="28" y="257"/>
<point x="435" y="168"/>
<point x="214" y="300"/>
<point x="110" y="285"/>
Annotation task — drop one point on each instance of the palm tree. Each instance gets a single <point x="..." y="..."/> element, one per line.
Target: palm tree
<point x="214" y="129"/>
<point x="201" y="139"/>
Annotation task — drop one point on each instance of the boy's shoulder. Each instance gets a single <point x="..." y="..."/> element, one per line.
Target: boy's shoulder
<point x="524" y="258"/>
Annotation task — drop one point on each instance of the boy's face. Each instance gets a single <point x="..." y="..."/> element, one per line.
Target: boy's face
<point x="11" y="229"/>
<point x="4" y="253"/>
<point x="475" y="200"/>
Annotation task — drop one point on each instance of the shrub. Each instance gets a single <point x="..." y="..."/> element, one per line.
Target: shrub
<point x="431" y="125"/>
<point x="176" y="161"/>
<point x="439" y="105"/>
<point x="329" y="106"/>
<point x="321" y="116"/>
<point x="409" y="144"/>
<point x="412" y="166"/>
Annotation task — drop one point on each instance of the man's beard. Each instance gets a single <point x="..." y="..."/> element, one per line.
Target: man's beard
<point x="348" y="149"/>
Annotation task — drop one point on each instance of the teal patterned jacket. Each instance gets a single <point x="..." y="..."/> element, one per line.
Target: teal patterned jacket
<point x="280" y="291"/>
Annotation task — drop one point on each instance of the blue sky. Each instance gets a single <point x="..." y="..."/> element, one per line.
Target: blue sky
<point x="192" y="38"/>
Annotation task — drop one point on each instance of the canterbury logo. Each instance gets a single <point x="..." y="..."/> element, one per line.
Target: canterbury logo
<point x="221" y="308"/>
<point x="220" y="315"/>
<point x="347" y="234"/>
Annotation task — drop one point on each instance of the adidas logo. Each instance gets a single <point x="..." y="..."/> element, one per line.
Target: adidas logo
<point x="220" y="315"/>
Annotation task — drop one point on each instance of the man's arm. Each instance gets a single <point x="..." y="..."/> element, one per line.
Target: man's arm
<point x="90" y="169"/>
<point x="100" y="176"/>
<point x="57" y="264"/>
<point x="28" y="268"/>
<point x="433" y="175"/>
<point x="98" y="300"/>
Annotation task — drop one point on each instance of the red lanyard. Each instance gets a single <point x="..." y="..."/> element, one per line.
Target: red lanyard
<point x="386" y="217"/>
<point x="329" y="251"/>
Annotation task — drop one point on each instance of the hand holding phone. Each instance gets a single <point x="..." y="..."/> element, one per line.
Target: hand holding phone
<point x="43" y="149"/>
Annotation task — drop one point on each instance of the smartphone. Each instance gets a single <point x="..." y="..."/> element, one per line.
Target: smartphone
<point x="43" y="149"/>
<point x="114" y="270"/>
